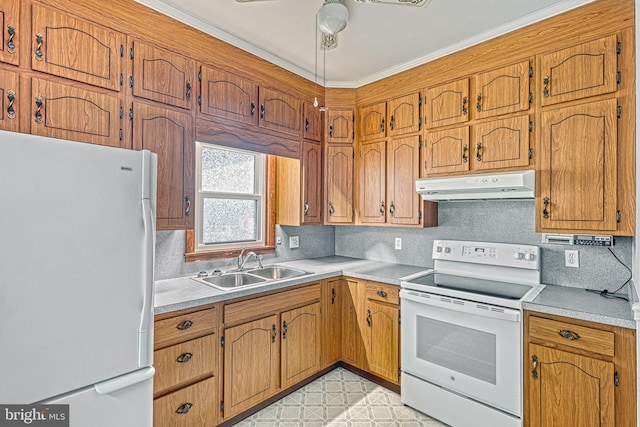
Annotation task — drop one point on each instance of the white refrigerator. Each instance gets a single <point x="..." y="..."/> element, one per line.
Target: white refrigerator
<point x="77" y="239"/>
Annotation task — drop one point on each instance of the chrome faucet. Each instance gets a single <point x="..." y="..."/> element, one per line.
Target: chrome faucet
<point x="242" y="260"/>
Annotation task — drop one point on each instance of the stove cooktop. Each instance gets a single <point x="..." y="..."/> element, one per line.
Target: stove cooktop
<point x="494" y="288"/>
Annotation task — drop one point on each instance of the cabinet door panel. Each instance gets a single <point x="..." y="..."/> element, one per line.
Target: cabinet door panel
<point x="68" y="112"/>
<point x="578" y="156"/>
<point x="312" y="183"/>
<point x="352" y="344"/>
<point x="161" y="75"/>
<point x="168" y="411"/>
<point x="570" y="389"/>
<point x="300" y="349"/>
<point x="9" y="35"/>
<point x="382" y="339"/>
<point x="447" y="104"/>
<point x="339" y="184"/>
<point x="9" y="101"/>
<point x="168" y="133"/>
<point x="587" y="69"/>
<point x="332" y="322"/>
<point x="503" y="91"/>
<point x="339" y="127"/>
<point x="404" y="114"/>
<point x="371" y="120"/>
<point x="228" y="96"/>
<point x="501" y="143"/>
<point x="279" y="111"/>
<point x="69" y="47"/>
<point x="373" y="208"/>
<point x="250" y="364"/>
<point x="312" y="122"/>
<point x="403" y="168"/>
<point x="446" y="151"/>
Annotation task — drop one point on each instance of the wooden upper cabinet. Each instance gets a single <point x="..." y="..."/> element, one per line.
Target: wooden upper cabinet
<point x="447" y="104"/>
<point x="372" y="121"/>
<point x="502" y="91"/>
<point x="300" y="347"/>
<point x="9" y="101"/>
<point x="228" y="96"/>
<point x="311" y="183"/>
<point x="446" y="151"/>
<point x="9" y="37"/>
<point x="69" y="47"/>
<point x="404" y="114"/>
<point x="168" y="133"/>
<point x="501" y="143"/>
<point x="584" y="70"/>
<point x="403" y="168"/>
<point x="578" y="172"/>
<point x="163" y="76"/>
<point x="372" y="167"/>
<point x="339" y="126"/>
<point x="339" y="187"/>
<point x="279" y="111"/>
<point x="77" y="114"/>
<point x="312" y="122"/>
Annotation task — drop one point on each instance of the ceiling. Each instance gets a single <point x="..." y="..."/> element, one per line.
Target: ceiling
<point x="380" y="40"/>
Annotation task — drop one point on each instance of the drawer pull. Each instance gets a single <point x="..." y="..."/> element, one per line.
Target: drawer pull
<point x="184" y="357"/>
<point x="184" y="408"/>
<point x="569" y="335"/>
<point x="381" y="294"/>
<point x="184" y="325"/>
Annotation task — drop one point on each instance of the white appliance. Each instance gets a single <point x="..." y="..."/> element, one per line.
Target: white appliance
<point x="503" y="185"/>
<point x="76" y="282"/>
<point x="461" y="332"/>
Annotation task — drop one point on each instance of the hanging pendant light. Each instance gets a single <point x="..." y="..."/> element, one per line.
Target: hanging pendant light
<point x="332" y="17"/>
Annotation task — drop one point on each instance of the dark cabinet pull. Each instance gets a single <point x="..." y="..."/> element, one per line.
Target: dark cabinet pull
<point x="534" y="371"/>
<point x="306" y="208"/>
<point x="464" y="105"/>
<point x="382" y="208"/>
<point x="188" y="94"/>
<point x="331" y="131"/>
<point x="184" y="325"/>
<point x="478" y="106"/>
<point x="545" y="211"/>
<point x="569" y="335"/>
<point x="253" y="108"/>
<point x="369" y="318"/>
<point x="11" y="46"/>
<point x="184" y="357"/>
<point x="464" y="154"/>
<point x="478" y="153"/>
<point x="392" y="122"/>
<point x="545" y="91"/>
<point x="306" y="124"/>
<point x="285" y="329"/>
<point x="333" y="295"/>
<point x="331" y="210"/>
<point x="39" y="40"/>
<point x="392" y="208"/>
<point x="187" y="205"/>
<point x="38" y="108"/>
<point x="11" y="97"/>
<point x="262" y="110"/>
<point x="382" y="124"/>
<point x="381" y="294"/>
<point x="184" y="408"/>
<point x="274" y="333"/>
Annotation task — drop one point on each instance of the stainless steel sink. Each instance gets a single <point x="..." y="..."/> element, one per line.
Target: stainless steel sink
<point x="232" y="280"/>
<point x="277" y="272"/>
<point x="257" y="276"/>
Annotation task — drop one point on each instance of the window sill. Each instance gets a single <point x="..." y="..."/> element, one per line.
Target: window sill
<point x="226" y="253"/>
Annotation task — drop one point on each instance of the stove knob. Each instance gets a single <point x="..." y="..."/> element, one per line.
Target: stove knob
<point x="529" y="256"/>
<point x="447" y="250"/>
<point x="438" y="249"/>
<point x="518" y="255"/>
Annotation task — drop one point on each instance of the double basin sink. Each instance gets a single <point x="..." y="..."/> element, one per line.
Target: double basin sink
<point x="238" y="279"/>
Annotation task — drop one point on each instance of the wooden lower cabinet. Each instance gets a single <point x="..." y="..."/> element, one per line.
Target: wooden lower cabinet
<point x="352" y="344"/>
<point x="300" y="345"/>
<point x="332" y="321"/>
<point x="191" y="406"/>
<point x="382" y="331"/>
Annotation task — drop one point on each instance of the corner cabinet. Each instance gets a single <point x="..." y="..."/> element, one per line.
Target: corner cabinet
<point x="397" y="116"/>
<point x="382" y="330"/>
<point x="339" y="184"/>
<point x="340" y="125"/>
<point x="9" y="37"/>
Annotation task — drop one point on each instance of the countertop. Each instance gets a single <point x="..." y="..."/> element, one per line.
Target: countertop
<point x="184" y="292"/>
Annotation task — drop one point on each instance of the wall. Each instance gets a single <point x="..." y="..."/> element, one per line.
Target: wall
<point x="492" y="221"/>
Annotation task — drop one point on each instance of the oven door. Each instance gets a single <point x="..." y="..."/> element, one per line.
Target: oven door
<point x="467" y="347"/>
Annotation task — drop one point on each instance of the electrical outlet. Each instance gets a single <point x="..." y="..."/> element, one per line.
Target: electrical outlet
<point x="571" y="258"/>
<point x="398" y="243"/>
<point x="279" y="240"/>
<point x="294" y="242"/>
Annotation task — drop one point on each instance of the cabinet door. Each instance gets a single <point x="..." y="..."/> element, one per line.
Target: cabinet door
<point x="75" y="49"/>
<point x="372" y="165"/>
<point x="9" y="24"/>
<point x="251" y="359"/>
<point x="70" y="112"/>
<point x="9" y="98"/>
<point x="404" y="114"/>
<point x="352" y="344"/>
<point x="279" y="111"/>
<point x="312" y="183"/>
<point x="502" y="91"/>
<point x="371" y="120"/>
<point x="447" y="103"/>
<point x="339" y="184"/>
<point x="332" y="321"/>
<point x="382" y="340"/>
<point x="300" y="348"/>
<point x="312" y="122"/>
<point x="339" y="126"/>
<point x="578" y="175"/>
<point x="228" y="96"/>
<point x="501" y="143"/>
<point x="567" y="389"/>
<point x="168" y="133"/>
<point x="446" y="151"/>
<point x="587" y="69"/>
<point x="403" y="168"/>
<point x="161" y="75"/>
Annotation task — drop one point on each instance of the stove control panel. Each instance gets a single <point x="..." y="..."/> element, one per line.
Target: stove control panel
<point x="500" y="254"/>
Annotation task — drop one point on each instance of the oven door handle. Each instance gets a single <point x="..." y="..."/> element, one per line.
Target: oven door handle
<point x="449" y="303"/>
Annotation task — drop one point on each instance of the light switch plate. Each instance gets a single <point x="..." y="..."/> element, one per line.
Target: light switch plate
<point x="294" y="242"/>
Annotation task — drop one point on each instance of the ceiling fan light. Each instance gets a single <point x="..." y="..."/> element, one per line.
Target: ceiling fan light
<point x="332" y="17"/>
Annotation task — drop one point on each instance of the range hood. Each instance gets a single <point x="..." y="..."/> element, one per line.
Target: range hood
<point x="503" y="185"/>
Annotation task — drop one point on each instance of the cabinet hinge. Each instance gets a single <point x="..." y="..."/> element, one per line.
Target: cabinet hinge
<point x="121" y="112"/>
<point x="618" y="77"/>
<point x="530" y="97"/>
<point x="200" y="76"/>
<point x="199" y="100"/>
<point x="221" y="341"/>
<point x="530" y="71"/>
<point x="420" y="121"/>
<point x="120" y="134"/>
<point x="618" y="48"/>
<point x="121" y="51"/>
<point x="221" y="405"/>
<point x="121" y="79"/>
<point x="419" y="100"/>
<point x="399" y="372"/>
<point x="399" y="318"/>
<point x="530" y="153"/>
<point x="619" y="111"/>
<point x="353" y="136"/>
<point x="353" y="154"/>
<point x="419" y="218"/>
<point x="130" y="81"/>
<point x="131" y="53"/>
<point x="618" y="216"/>
<point x="131" y="113"/>
<point x="616" y="379"/>
<point x="531" y="126"/>
<point x="420" y="144"/>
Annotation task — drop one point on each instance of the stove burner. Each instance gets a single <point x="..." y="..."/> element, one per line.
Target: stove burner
<point x="494" y="288"/>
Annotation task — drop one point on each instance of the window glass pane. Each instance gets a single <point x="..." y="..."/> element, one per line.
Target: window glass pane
<point x="228" y="171"/>
<point x="229" y="220"/>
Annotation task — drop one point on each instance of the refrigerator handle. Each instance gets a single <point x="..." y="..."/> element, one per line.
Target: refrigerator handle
<point x="124" y="381"/>
<point x="145" y="347"/>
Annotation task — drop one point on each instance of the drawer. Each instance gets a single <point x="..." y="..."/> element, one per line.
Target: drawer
<point x="569" y="334"/>
<point x="184" y="363"/>
<point x="185" y="327"/>
<point x="260" y="306"/>
<point x="383" y="292"/>
<point x="189" y="407"/>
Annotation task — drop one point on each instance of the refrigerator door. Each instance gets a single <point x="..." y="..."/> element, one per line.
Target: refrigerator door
<point x="77" y="266"/>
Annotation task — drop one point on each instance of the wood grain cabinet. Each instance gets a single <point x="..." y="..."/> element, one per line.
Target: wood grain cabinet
<point x="382" y="330"/>
<point x="340" y="126"/>
<point x="312" y="126"/>
<point x="447" y="103"/>
<point x="397" y="116"/>
<point x="169" y="133"/>
<point x="353" y="350"/>
<point x="502" y="91"/>
<point x="502" y="143"/>
<point x="446" y="151"/>
<point x="332" y="321"/>
<point x="279" y="111"/>
<point x="9" y="25"/>
<point x="339" y="184"/>
<point x="300" y="345"/>
<point x="75" y="49"/>
<point x="9" y="100"/>
<point x="372" y="121"/>
<point x="578" y="373"/>
<point x="162" y="75"/>
<point x="228" y="96"/>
